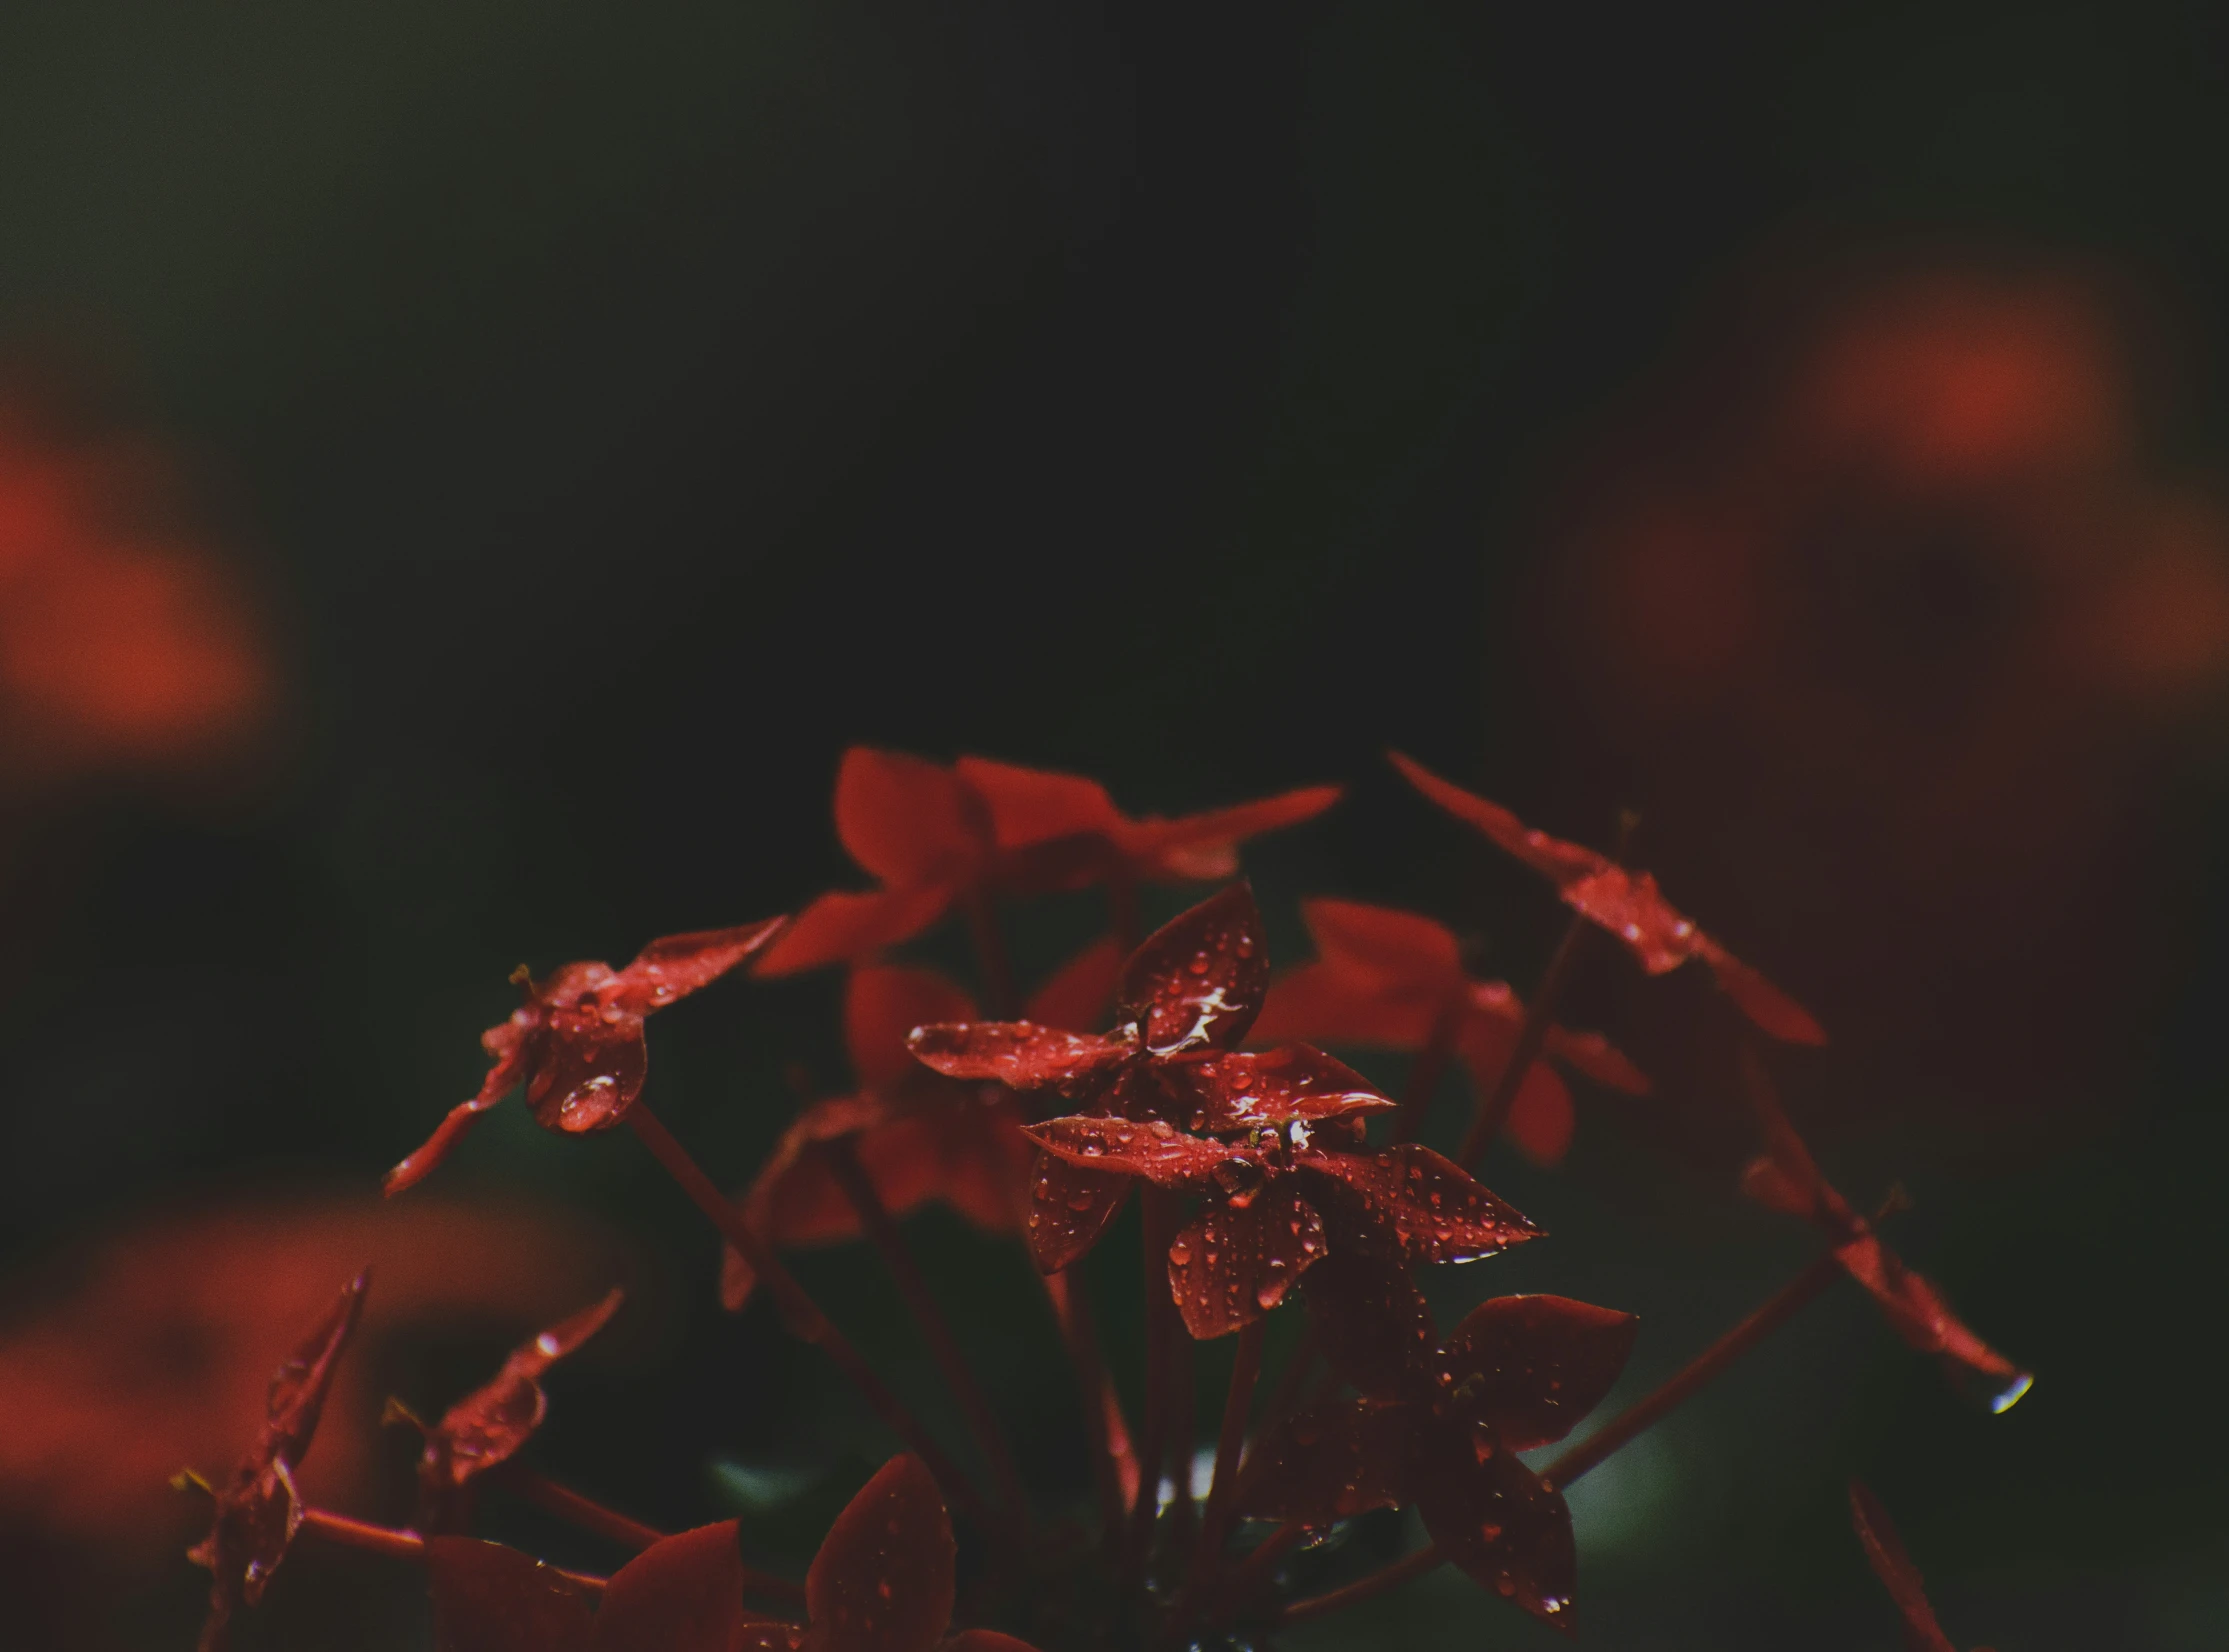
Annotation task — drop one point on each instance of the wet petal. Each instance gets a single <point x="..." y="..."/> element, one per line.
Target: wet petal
<point x="1884" y="1551"/>
<point x="882" y="1581"/>
<point x="908" y="821"/>
<point x="587" y="1072"/>
<point x="1768" y="1008"/>
<point x="1917" y="1312"/>
<point x="1428" y="1206"/>
<point x="1238" y="1090"/>
<point x="682" y="1594"/>
<point x="1234" y="1262"/>
<point x="1021" y="1054"/>
<point x="488" y="1598"/>
<point x="1199" y="980"/>
<point x="673" y="966"/>
<point x="1157" y="1151"/>
<point x="1552" y="857"/>
<point x="1069" y="1208"/>
<point x="1499" y="1522"/>
<point x="1373" y="1325"/>
<point x="1530" y="1367"/>
<point x="1329" y="1463"/>
<point x="1541" y="1122"/>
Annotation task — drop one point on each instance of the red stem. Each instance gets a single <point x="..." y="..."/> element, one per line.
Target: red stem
<point x="944" y="1348"/>
<point x="350" y="1533"/>
<point x="803" y="1315"/>
<point x="1532" y="1035"/>
<point x="1114" y="1465"/>
<point x="1230" y="1445"/>
<point x="1363" y="1588"/>
<point x="1161" y="1324"/>
<point x="1250" y="1575"/>
<point x="569" y="1505"/>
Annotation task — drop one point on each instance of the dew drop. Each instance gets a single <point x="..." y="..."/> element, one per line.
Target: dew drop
<point x="1081" y="1199"/>
<point x="1180" y="1253"/>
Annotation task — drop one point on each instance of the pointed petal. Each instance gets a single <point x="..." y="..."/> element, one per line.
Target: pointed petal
<point x="1333" y="1003"/>
<point x="1501" y="1523"/>
<point x="1199" y="980"/>
<point x="489" y="1425"/>
<point x="1917" y="1312"/>
<point x="587" y="1073"/>
<point x="1200" y="845"/>
<point x="1552" y="857"/>
<point x="488" y="1598"/>
<point x="1398" y="948"/>
<point x="673" y="966"/>
<point x="1593" y="1055"/>
<point x="1076" y="995"/>
<point x="882" y="1006"/>
<point x="1031" y="806"/>
<point x="1069" y="1209"/>
<point x="1428" y="1206"/>
<point x="1020" y="1054"/>
<point x="908" y="821"/>
<point x="1239" y="1090"/>
<point x="1765" y="1180"/>
<point x="841" y="926"/>
<point x="1328" y="1463"/>
<point x="1768" y="1008"/>
<point x="882" y="1581"/>
<point x="299" y="1386"/>
<point x="1541" y="1123"/>
<point x="513" y="1043"/>
<point x="1884" y="1552"/>
<point x="1158" y="1151"/>
<point x="682" y="1594"/>
<point x="1373" y="1325"/>
<point x="1530" y="1367"/>
<point x="420" y="1164"/>
<point x="1232" y="1263"/>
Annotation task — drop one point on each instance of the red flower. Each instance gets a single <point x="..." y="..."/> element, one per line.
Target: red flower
<point x="933" y="836"/>
<point x="258" y="1510"/>
<point x="1625" y="903"/>
<point x="488" y="1426"/>
<point x="1786" y="1178"/>
<point x="1518" y="1373"/>
<point x="882" y="1582"/>
<point x="1395" y="981"/>
<point x="576" y="1042"/>
<point x="918" y="1136"/>
<point x="1885" y="1551"/>
<point x="1188" y="996"/>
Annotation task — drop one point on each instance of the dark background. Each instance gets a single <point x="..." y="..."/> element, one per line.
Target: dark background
<point x="619" y="411"/>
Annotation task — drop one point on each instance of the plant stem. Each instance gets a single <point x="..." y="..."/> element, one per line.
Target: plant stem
<point x="566" y="1504"/>
<point x="843" y="1161"/>
<point x="1426" y="1071"/>
<point x="1249" y="1576"/>
<point x="349" y="1533"/>
<point x="1364" y="1588"/>
<point x="1114" y="1466"/>
<point x="1156" y="1228"/>
<point x="1230" y="1444"/>
<point x="1532" y="1034"/>
<point x="803" y="1315"/>
<point x="991" y="956"/>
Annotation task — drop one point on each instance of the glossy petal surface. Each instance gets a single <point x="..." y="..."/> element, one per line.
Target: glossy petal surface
<point x="673" y="966"/>
<point x="488" y="1598"/>
<point x="1430" y="1207"/>
<point x="1530" y="1367"/>
<point x="1069" y="1208"/>
<point x="682" y="1594"/>
<point x="882" y="1581"/>
<point x="1020" y="1054"/>
<point x="1498" y="1521"/>
<point x="1199" y="980"/>
<point x="1884" y="1551"/>
<point x="1329" y="1463"/>
<point x="1235" y="1261"/>
<point x="1239" y="1090"/>
<point x="1155" y="1150"/>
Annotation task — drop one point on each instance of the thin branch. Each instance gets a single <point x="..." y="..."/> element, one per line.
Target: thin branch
<point x="1532" y="1037"/>
<point x="543" y="1493"/>
<point x="1364" y="1588"/>
<point x="1114" y="1466"/>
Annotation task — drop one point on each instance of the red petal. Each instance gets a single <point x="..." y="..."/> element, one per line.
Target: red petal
<point x="1199" y="845"/>
<point x="1029" y="806"/>
<point x="1332" y="1003"/>
<point x="1500" y="1523"/>
<point x="588" y="1071"/>
<point x="1373" y="1324"/>
<point x="298" y="1387"/>
<point x="488" y="1426"/>
<point x="1550" y="856"/>
<point x="1233" y="1263"/>
<point x="1429" y="1205"/>
<point x="673" y="966"/>
<point x="1596" y="1057"/>
<point x="487" y="1598"/>
<point x="1768" y="1008"/>
<point x="1156" y="1150"/>
<point x="1199" y="980"/>
<point x="1540" y="1122"/>
<point x="1076" y="995"/>
<point x="1884" y="1551"/>
<point x="436" y="1147"/>
<point x="1776" y="1187"/>
<point x="682" y="1594"/>
<point x="1530" y="1367"/>
<point x="882" y="1581"/>
<point x="906" y="820"/>
<point x="1069" y="1209"/>
<point x="1020" y="1054"/>
<point x="1399" y="949"/>
<point x="1328" y="1464"/>
<point x="882" y="1006"/>
<point x="839" y="927"/>
<point x="1238" y="1091"/>
<point x="1917" y="1312"/>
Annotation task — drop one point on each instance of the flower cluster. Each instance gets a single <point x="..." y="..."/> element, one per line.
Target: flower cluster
<point x="1260" y="1186"/>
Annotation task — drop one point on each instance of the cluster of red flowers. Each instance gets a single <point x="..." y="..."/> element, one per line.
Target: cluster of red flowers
<point x="1260" y="1186"/>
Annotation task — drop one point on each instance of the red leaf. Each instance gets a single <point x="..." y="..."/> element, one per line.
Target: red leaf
<point x="1069" y="1209"/>
<point x="1328" y="1464"/>
<point x="1017" y="1053"/>
<point x="1597" y="1058"/>
<point x="882" y="1006"/>
<point x="1235" y="1261"/>
<point x="882" y="1581"/>
<point x="1199" y="980"/>
<point x="1155" y="1150"/>
<point x="908" y="821"/>
<point x="1076" y="994"/>
<point x="488" y="1426"/>
<point x="1530" y="1367"/>
<point x="1373" y="1324"/>
<point x="1240" y="1090"/>
<point x="488" y="1598"/>
<point x="841" y="926"/>
<point x="1430" y="1206"/>
<point x="1501" y="1523"/>
<point x="1884" y="1551"/>
<point x="682" y="1594"/>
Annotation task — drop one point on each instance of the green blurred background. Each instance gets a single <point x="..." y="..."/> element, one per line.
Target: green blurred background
<point x="616" y="411"/>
